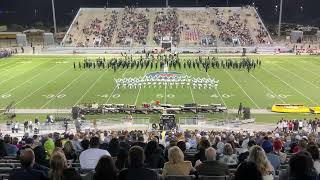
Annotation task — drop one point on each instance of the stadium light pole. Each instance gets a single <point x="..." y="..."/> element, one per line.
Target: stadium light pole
<point x="54" y="17"/>
<point x="280" y="18"/>
<point x="167" y="3"/>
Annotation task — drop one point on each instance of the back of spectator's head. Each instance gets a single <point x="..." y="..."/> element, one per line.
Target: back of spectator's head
<point x="301" y="166"/>
<point x="251" y="143"/>
<point x="227" y="149"/>
<point x="258" y="156"/>
<point x="85" y="144"/>
<point x="204" y="144"/>
<point x="302" y="143"/>
<point x="211" y="154"/>
<point x="314" y="151"/>
<point x="267" y="146"/>
<point x="150" y="148"/>
<point x="58" y="163"/>
<point x="140" y="138"/>
<point x="182" y="145"/>
<point x="136" y="157"/>
<point x="58" y="143"/>
<point x="7" y="138"/>
<point x="277" y="145"/>
<point x="248" y="171"/>
<point x="105" y="166"/>
<point x="27" y="158"/>
<point x="94" y="142"/>
<point x="175" y="155"/>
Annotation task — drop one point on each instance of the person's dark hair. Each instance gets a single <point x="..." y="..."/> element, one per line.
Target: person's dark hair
<point x="248" y="171"/>
<point x="7" y="139"/>
<point x="314" y="151"/>
<point x="94" y="142"/>
<point x="27" y="158"/>
<point x="3" y="151"/>
<point x="204" y="144"/>
<point x="301" y="166"/>
<point x="150" y="148"/>
<point x="85" y="144"/>
<point x="105" y="169"/>
<point x="136" y="157"/>
<point x="182" y="145"/>
<point x="122" y="159"/>
<point x="58" y="143"/>
<point x="113" y="147"/>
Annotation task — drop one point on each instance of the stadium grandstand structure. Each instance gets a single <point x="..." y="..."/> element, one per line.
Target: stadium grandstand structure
<point x="167" y="28"/>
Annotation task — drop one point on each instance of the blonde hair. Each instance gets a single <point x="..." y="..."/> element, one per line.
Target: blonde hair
<point x="58" y="163"/>
<point x="257" y="155"/>
<point x="175" y="155"/>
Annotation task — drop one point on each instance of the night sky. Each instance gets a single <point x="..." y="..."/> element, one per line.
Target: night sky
<point x="27" y="12"/>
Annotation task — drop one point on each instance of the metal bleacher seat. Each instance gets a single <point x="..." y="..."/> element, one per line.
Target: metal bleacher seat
<point x="213" y="177"/>
<point x="176" y="177"/>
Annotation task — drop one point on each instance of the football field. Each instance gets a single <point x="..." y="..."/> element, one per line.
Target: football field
<point x="51" y="82"/>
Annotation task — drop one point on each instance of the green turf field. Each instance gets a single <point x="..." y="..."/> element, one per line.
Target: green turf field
<point x="51" y="82"/>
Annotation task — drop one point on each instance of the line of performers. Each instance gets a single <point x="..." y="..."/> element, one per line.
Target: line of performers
<point x="172" y="62"/>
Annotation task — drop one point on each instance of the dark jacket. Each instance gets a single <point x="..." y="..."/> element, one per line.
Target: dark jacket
<point x="28" y="173"/>
<point x="155" y="160"/>
<point x="212" y="168"/>
<point x="138" y="173"/>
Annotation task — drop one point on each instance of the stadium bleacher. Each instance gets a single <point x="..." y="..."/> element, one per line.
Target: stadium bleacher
<point x="186" y="27"/>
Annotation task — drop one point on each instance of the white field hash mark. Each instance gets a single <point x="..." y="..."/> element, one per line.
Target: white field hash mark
<point x="242" y="89"/>
<point x="41" y="87"/>
<point x="290" y="86"/>
<point x="25" y="82"/>
<point x="63" y="89"/>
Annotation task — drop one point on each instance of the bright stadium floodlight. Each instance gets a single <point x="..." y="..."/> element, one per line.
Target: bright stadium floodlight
<point x="280" y="18"/>
<point x="54" y="17"/>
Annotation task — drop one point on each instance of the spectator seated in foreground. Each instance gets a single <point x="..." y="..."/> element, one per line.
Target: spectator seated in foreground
<point x="176" y="164"/>
<point x="248" y="171"/>
<point x="211" y="167"/>
<point x="26" y="172"/>
<point x="105" y="169"/>
<point x="90" y="157"/>
<point x="59" y="168"/>
<point x="136" y="169"/>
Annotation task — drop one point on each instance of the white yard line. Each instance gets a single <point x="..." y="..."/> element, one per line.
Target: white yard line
<point x="216" y="88"/>
<point x="41" y="87"/>
<point x="242" y="89"/>
<point x="23" y="72"/>
<point x="290" y="86"/>
<point x="190" y="88"/>
<point x="268" y="88"/>
<point x="135" y="102"/>
<point x="299" y="77"/>
<point x="63" y="90"/>
<point x="95" y="82"/>
<point x="165" y="93"/>
<point x="115" y="88"/>
<point x="27" y="81"/>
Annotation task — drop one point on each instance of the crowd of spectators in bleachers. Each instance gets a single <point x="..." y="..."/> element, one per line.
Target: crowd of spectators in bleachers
<point x="134" y="27"/>
<point x="146" y="154"/>
<point x="232" y="28"/>
<point x="167" y="24"/>
<point x="108" y="32"/>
